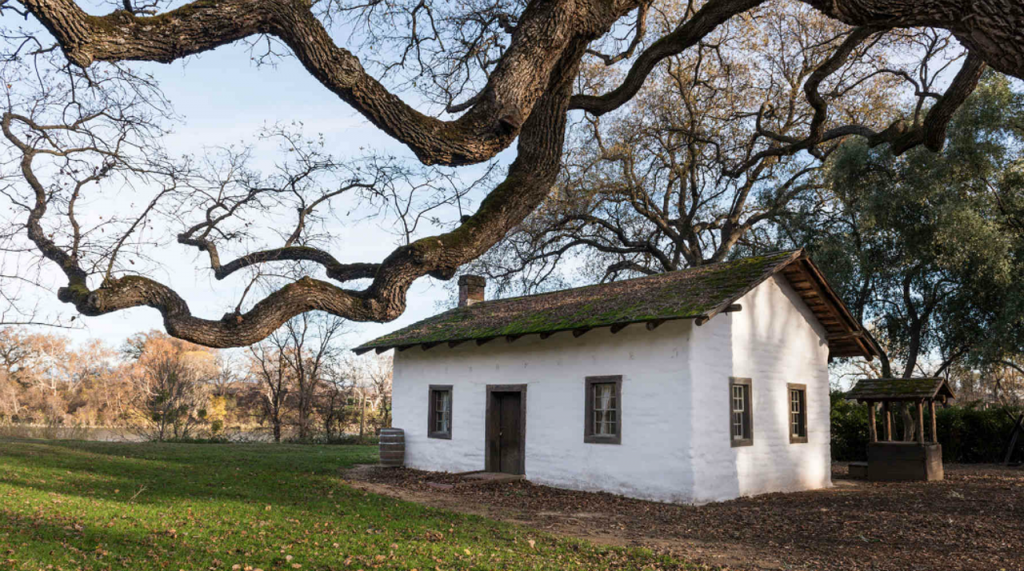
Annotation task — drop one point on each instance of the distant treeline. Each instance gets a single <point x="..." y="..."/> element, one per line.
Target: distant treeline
<point x="298" y="385"/>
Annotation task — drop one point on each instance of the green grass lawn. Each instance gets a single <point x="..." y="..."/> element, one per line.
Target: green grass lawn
<point x="198" y="507"/>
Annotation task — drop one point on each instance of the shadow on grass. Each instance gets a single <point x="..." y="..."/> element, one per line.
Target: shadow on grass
<point x="180" y="506"/>
<point x="167" y="472"/>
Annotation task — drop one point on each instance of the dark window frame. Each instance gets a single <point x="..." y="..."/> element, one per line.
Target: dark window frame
<point x="589" y="437"/>
<point x="800" y="438"/>
<point x="748" y="411"/>
<point x="432" y="410"/>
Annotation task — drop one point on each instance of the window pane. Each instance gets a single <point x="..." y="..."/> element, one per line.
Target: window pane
<point x="604" y="409"/>
<point x="797" y="413"/>
<point x="442" y="411"/>
<point x="604" y="396"/>
<point x="740" y="420"/>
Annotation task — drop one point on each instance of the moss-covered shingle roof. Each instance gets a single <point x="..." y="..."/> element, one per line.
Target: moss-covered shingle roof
<point x="900" y="390"/>
<point x="694" y="293"/>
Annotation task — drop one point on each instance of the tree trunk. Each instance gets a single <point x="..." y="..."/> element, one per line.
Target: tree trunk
<point x="909" y="424"/>
<point x="362" y="413"/>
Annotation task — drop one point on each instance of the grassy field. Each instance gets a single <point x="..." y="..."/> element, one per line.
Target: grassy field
<point x="93" y="506"/>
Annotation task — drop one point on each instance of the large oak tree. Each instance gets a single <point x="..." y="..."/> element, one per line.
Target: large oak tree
<point x="504" y="72"/>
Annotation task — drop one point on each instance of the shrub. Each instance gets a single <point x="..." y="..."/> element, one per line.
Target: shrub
<point x="968" y="433"/>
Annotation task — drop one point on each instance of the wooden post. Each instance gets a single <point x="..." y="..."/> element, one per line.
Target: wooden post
<point x="872" y="429"/>
<point x="935" y="424"/>
<point x="887" y="420"/>
<point x="921" y="423"/>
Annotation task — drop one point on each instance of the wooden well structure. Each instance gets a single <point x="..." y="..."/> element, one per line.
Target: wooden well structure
<point x="895" y="460"/>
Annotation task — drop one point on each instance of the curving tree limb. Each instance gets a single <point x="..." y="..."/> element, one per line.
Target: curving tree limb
<point x="993" y="29"/>
<point x="529" y="180"/>
<point x="541" y="37"/>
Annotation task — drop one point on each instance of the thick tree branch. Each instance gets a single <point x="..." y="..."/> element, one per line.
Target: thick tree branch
<point x="541" y="37"/>
<point x="335" y="269"/>
<point x="528" y="182"/>
<point x="994" y="29"/>
<point x="710" y="16"/>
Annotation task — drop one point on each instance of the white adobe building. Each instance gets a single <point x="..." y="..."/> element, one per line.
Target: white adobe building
<point x="699" y="385"/>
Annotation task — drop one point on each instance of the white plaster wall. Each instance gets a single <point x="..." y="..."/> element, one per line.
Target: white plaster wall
<point x="675" y="437"/>
<point x="653" y="461"/>
<point x="774" y="340"/>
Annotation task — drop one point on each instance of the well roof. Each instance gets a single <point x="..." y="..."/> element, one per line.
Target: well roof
<point x="698" y="293"/>
<point x="901" y="390"/>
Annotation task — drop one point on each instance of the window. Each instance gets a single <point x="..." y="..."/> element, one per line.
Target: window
<point x="797" y="413"/>
<point x="603" y="416"/>
<point x="741" y="429"/>
<point x="440" y="418"/>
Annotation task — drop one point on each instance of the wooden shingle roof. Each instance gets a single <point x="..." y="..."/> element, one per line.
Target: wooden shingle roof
<point x="697" y="293"/>
<point x="901" y="390"/>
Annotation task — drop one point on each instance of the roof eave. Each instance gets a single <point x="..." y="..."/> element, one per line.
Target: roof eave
<point x="618" y="326"/>
<point x="853" y="328"/>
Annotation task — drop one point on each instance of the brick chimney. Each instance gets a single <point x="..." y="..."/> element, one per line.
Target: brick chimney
<point x="471" y="290"/>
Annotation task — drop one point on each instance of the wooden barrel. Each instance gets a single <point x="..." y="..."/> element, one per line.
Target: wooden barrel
<point x="392" y="446"/>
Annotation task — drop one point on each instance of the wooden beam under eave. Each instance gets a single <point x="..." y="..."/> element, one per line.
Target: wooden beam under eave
<point x="429" y="346"/>
<point x="619" y="327"/>
<point x="454" y="344"/>
<point x="512" y="338"/>
<point x="580" y="332"/>
<point x="828" y="302"/>
<point x="652" y="325"/>
<point x="846" y="335"/>
<point x="380" y="350"/>
<point x="364" y="350"/>
<point x="547" y="334"/>
<point x="480" y="342"/>
<point x="403" y="348"/>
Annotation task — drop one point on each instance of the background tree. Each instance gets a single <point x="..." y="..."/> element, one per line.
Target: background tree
<point x="270" y="369"/>
<point x="310" y="350"/>
<point x="173" y="377"/>
<point x="296" y="365"/>
<point x="926" y="248"/>
<point x="332" y="402"/>
<point x="377" y="371"/>
<point x="683" y="176"/>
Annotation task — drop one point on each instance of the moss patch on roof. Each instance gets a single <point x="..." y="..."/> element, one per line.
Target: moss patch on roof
<point x="675" y="295"/>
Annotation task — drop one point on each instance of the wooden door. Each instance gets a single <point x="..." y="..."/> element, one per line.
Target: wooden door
<point x="506" y="436"/>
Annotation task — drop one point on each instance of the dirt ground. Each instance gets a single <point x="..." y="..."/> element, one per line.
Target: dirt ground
<point x="972" y="521"/>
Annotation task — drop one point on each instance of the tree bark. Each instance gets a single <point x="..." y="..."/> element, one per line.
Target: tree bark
<point x="545" y="32"/>
<point x="992" y="29"/>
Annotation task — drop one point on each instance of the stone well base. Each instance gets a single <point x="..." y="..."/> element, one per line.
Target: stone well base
<point x="904" y="462"/>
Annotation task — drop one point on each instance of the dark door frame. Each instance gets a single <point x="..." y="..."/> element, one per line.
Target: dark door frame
<point x="489" y="431"/>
